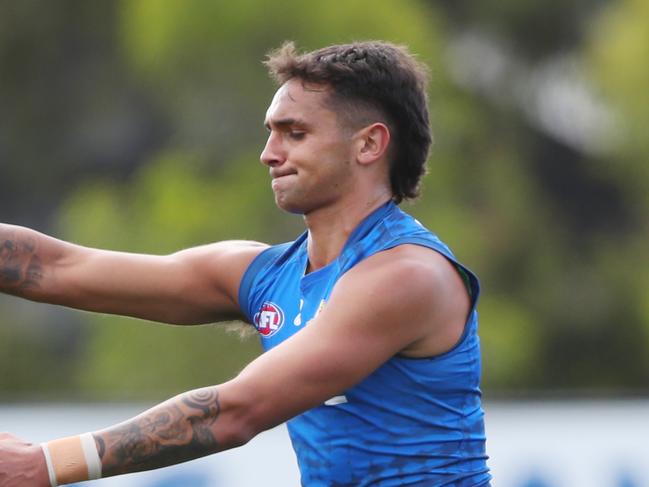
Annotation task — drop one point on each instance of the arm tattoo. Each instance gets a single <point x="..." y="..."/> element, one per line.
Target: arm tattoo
<point x="20" y="266"/>
<point x="176" y="431"/>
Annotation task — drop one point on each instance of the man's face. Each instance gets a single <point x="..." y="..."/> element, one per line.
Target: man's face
<point x="308" y="152"/>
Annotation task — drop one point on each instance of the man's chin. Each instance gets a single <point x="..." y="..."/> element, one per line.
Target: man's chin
<point x="289" y="206"/>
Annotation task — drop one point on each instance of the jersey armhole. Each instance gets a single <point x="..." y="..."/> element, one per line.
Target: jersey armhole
<point x="257" y="264"/>
<point x="469" y="279"/>
<point x="470" y="282"/>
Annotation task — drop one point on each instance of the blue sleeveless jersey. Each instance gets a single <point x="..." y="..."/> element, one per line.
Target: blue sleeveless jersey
<point x="415" y="422"/>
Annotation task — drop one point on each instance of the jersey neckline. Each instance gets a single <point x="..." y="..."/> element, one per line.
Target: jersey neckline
<point x="357" y="234"/>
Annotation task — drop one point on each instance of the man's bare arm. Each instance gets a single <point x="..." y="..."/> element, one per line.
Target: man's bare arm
<point x="367" y="320"/>
<point x="197" y="285"/>
<point x="177" y="430"/>
<point x="320" y="361"/>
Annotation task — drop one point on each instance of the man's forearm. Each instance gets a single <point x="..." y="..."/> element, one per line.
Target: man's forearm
<point x="180" y="429"/>
<point x="21" y="266"/>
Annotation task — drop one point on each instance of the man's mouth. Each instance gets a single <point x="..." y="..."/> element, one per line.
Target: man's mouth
<point x="279" y="178"/>
<point x="275" y="174"/>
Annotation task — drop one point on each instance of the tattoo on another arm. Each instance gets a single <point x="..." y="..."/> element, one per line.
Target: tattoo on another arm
<point x="174" y="432"/>
<point x="20" y="266"/>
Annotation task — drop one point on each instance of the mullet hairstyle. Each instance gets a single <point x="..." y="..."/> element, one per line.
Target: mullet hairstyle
<point x="371" y="81"/>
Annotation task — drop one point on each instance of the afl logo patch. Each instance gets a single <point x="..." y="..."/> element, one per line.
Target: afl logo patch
<point x="269" y="320"/>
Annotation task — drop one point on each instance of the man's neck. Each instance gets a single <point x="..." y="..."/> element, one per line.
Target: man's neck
<point x="330" y="227"/>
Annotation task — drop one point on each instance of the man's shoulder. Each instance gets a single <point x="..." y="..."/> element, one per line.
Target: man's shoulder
<point x="408" y="275"/>
<point x="417" y="290"/>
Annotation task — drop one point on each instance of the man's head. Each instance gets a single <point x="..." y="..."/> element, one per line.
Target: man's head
<point x="370" y="82"/>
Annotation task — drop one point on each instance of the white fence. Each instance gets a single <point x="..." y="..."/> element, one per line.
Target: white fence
<point x="531" y="444"/>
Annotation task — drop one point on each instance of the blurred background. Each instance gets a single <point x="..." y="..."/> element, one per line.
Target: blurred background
<point x="137" y="125"/>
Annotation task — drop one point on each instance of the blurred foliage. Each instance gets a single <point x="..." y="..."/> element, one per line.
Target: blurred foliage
<point x="137" y="126"/>
<point x="620" y="41"/>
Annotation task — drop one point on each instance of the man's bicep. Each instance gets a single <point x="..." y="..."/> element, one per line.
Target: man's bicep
<point x="211" y="277"/>
<point x="196" y="285"/>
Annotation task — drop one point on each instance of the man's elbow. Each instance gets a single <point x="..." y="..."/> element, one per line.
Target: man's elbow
<point x="243" y="416"/>
<point x="236" y="432"/>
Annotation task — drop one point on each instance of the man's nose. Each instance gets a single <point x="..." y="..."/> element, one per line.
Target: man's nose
<point x="273" y="155"/>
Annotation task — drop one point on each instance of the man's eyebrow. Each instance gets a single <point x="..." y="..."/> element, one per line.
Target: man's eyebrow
<point x="284" y="123"/>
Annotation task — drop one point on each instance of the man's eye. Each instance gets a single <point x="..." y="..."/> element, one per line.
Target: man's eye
<point x="296" y="135"/>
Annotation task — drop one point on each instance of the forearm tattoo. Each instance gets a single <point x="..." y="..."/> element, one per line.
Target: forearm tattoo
<point x="20" y="266"/>
<point x="176" y="431"/>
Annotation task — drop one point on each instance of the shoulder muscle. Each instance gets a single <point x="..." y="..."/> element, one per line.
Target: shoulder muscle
<point x="419" y="289"/>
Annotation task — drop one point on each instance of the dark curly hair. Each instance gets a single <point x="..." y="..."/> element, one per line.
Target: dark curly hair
<point x="371" y="81"/>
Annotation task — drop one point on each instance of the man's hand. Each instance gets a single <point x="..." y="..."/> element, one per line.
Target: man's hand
<point x="22" y="464"/>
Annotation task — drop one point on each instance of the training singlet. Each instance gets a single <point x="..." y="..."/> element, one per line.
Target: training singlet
<point x="415" y="422"/>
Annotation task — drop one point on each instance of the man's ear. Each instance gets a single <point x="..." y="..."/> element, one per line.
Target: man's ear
<point x="373" y="143"/>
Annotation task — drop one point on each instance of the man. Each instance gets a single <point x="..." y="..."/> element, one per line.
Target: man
<point x="367" y="319"/>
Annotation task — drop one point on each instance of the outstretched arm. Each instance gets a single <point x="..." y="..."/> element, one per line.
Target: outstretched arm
<point x="428" y="309"/>
<point x="177" y="430"/>
<point x="197" y="285"/>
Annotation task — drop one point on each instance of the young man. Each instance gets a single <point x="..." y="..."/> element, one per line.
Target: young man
<point x="367" y="319"/>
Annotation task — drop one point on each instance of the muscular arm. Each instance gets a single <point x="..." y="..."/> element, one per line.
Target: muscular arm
<point x="197" y="285"/>
<point x="177" y="430"/>
<point x="405" y="300"/>
<point x="428" y="309"/>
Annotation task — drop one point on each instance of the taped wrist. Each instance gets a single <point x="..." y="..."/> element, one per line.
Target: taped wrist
<point x="72" y="459"/>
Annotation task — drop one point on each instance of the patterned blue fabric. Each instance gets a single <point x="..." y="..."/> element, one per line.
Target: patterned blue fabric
<point x="416" y="422"/>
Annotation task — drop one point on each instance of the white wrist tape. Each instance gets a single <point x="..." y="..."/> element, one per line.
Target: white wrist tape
<point x="50" y="467"/>
<point x="72" y="459"/>
<point x="92" y="456"/>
